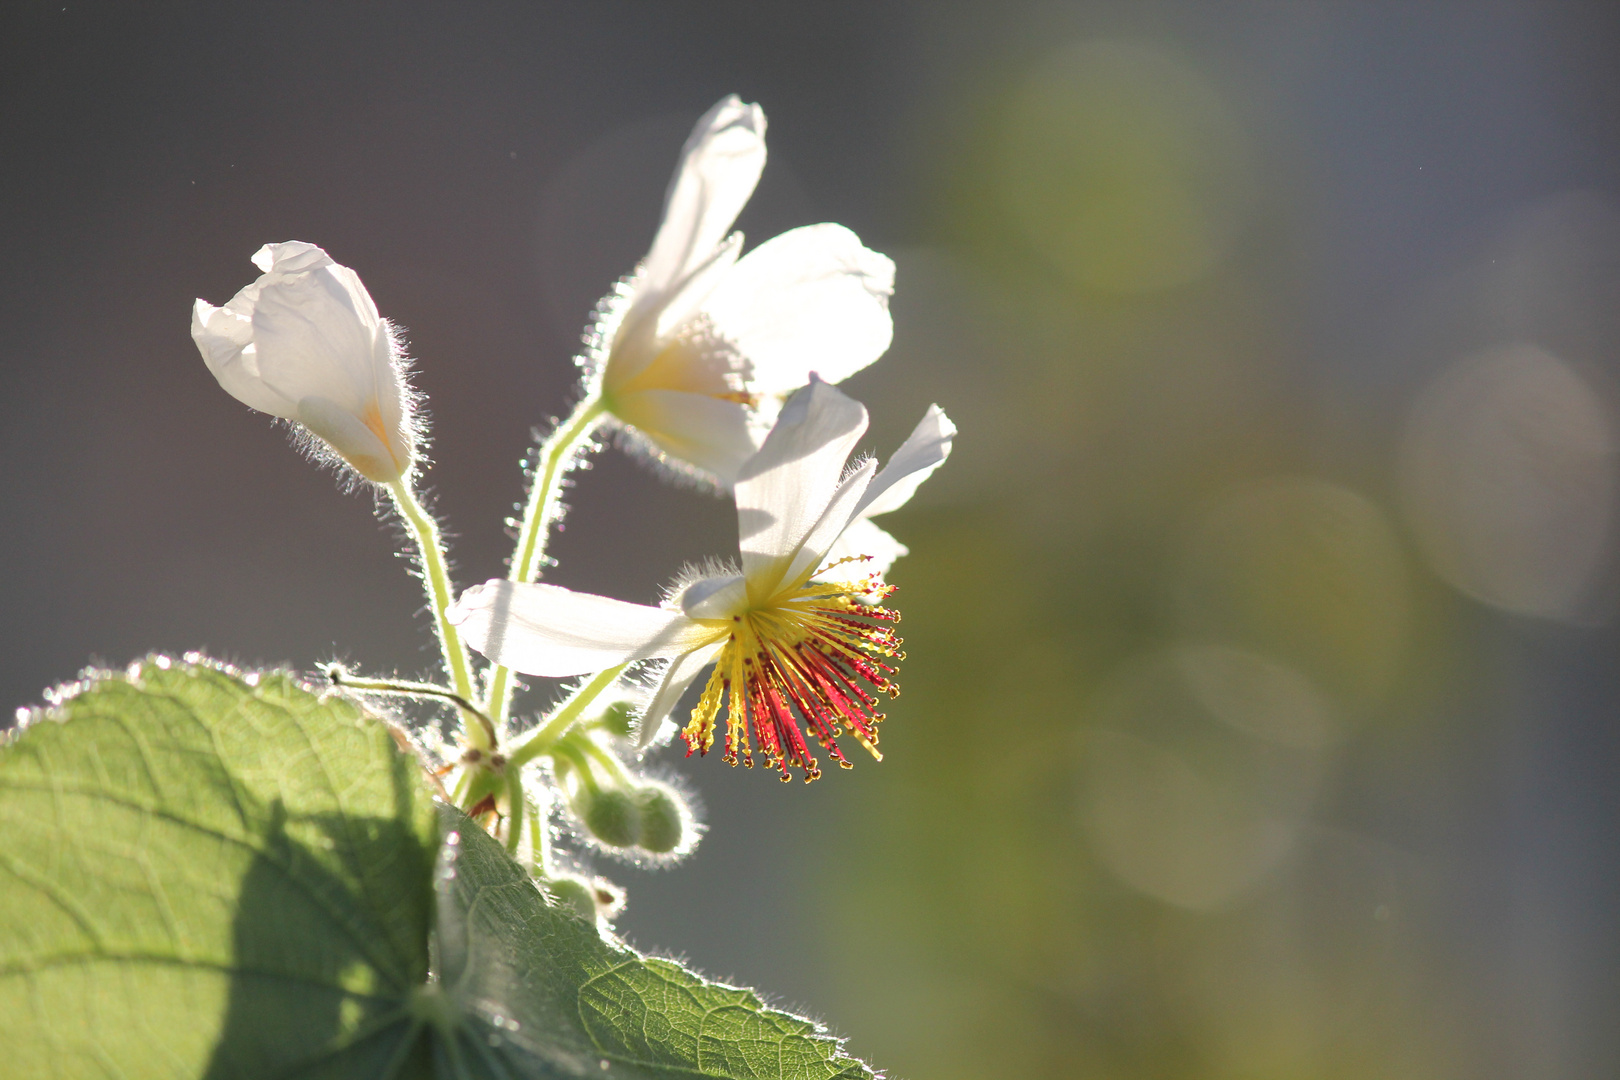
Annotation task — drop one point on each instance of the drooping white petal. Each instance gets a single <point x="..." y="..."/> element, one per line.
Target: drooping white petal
<point x="677" y="677"/>
<point x="862" y="540"/>
<point x="784" y="489"/>
<point x="719" y="166"/>
<point x="923" y="451"/>
<point x="813" y="299"/>
<point x="706" y="432"/>
<point x="548" y="630"/>
<point x="225" y="339"/>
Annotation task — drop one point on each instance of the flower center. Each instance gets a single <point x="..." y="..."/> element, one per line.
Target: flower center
<point x="815" y="654"/>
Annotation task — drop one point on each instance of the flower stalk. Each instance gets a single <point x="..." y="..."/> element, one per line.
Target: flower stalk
<point x="480" y="727"/>
<point x="544" y="737"/>
<point x="552" y="462"/>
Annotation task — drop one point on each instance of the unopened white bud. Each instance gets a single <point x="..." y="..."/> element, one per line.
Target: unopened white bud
<point x="305" y="342"/>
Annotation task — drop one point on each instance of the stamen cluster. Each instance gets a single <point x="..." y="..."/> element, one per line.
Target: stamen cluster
<point x="818" y="654"/>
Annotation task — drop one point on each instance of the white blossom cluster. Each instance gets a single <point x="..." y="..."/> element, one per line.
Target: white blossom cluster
<point x="721" y="366"/>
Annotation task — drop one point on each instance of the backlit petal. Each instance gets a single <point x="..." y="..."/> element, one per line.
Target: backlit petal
<point x="784" y="489"/>
<point x="707" y="432"/>
<point x="360" y="446"/>
<point x="311" y="340"/>
<point x="811" y="300"/>
<point x="924" y="451"/>
<point x="720" y="164"/>
<point x="677" y="677"/>
<point x="223" y="336"/>
<point x="548" y="630"/>
<point x="683" y="301"/>
<point x="834" y="520"/>
<point x="718" y="597"/>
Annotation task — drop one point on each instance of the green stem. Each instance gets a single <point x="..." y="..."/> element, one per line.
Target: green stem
<point x="539" y="834"/>
<point x="572" y="756"/>
<point x="404" y="688"/>
<point x="436" y="579"/>
<point x="555" y="455"/>
<point x="514" y="810"/>
<point x="602" y="756"/>
<point x="541" y="738"/>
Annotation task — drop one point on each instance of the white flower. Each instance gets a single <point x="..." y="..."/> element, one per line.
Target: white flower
<point x="787" y="647"/>
<point x="697" y="349"/>
<point x="305" y="343"/>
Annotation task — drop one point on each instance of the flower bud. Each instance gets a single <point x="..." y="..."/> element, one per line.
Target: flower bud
<point x="304" y="342"/>
<point x="610" y="815"/>
<point x="617" y="718"/>
<point x="663" y="821"/>
<point x="596" y="900"/>
<point x="574" y="893"/>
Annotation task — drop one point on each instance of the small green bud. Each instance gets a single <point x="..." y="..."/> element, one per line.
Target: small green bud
<point x="616" y="718"/>
<point x="662" y="823"/>
<point x="573" y="893"/>
<point x="611" y="816"/>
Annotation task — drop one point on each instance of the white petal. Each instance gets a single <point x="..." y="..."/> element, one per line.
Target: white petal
<point x="863" y="540"/>
<point x="700" y="430"/>
<point x="924" y="451"/>
<point x="831" y="525"/>
<point x="654" y="318"/>
<point x="223" y="336"/>
<point x="291" y="257"/>
<point x="812" y="299"/>
<point x="719" y="166"/>
<point x="685" y="300"/>
<point x="677" y="677"/>
<point x="548" y="630"/>
<point x="311" y="340"/>
<point x="784" y="489"/>
<point x="358" y="444"/>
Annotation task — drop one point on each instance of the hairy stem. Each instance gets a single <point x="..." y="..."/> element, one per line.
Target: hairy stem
<point x="436" y="580"/>
<point x="514" y="810"/>
<point x="556" y="454"/>
<point x="337" y="676"/>
<point x="603" y="757"/>
<point x="543" y="737"/>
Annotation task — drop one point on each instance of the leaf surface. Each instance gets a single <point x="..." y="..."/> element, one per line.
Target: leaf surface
<point x="546" y="991"/>
<point x="206" y="877"/>
<point x="213" y="875"/>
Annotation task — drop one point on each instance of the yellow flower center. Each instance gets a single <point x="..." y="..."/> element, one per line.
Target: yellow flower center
<point x="814" y="653"/>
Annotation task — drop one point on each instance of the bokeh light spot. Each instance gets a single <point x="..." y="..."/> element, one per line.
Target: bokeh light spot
<point x="1508" y="473"/>
<point x="1123" y="168"/>
<point x="1198" y="770"/>
<point x="1304" y="570"/>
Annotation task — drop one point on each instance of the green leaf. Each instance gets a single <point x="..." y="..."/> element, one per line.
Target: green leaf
<point x="205" y="875"/>
<point x="211" y="875"/>
<point x="537" y="991"/>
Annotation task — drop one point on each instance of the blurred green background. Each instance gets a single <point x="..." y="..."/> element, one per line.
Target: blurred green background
<point x="1260" y="710"/>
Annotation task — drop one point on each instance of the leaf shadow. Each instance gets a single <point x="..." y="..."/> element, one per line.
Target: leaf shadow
<point x="317" y="989"/>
